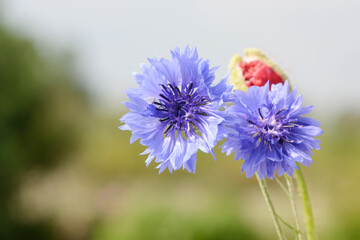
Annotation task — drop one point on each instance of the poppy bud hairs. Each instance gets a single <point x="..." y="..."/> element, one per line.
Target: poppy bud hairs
<point x="175" y="109"/>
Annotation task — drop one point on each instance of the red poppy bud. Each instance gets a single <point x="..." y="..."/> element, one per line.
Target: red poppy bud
<point x="257" y="73"/>
<point x="255" y="69"/>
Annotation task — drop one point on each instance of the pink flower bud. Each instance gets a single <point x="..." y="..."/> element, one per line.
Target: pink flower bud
<point x="257" y="73"/>
<point x="255" y="69"/>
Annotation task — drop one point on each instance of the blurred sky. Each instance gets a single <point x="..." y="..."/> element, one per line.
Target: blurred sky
<point x="315" y="42"/>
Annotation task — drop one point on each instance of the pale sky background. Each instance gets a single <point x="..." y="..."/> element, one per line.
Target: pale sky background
<point x="316" y="42"/>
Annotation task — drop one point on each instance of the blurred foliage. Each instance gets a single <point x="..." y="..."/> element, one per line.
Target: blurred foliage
<point x="165" y="223"/>
<point x="40" y="115"/>
<point x="67" y="172"/>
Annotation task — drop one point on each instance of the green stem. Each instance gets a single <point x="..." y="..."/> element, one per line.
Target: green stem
<point x="266" y="195"/>
<point x="309" y="218"/>
<point x="282" y="187"/>
<point x="293" y="206"/>
<point x="285" y="223"/>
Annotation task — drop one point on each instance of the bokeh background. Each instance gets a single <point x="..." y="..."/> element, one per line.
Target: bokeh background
<point x="67" y="172"/>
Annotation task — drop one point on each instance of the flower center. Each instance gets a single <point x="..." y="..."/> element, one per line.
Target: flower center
<point x="273" y="128"/>
<point x="179" y="108"/>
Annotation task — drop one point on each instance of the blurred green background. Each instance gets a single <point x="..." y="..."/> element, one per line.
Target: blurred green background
<point x="67" y="172"/>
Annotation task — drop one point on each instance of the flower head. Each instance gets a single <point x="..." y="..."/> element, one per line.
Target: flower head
<point x="175" y="109"/>
<point x="255" y="69"/>
<point x="268" y="131"/>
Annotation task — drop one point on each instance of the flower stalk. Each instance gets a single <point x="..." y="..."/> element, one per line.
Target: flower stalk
<point x="265" y="192"/>
<point x="289" y="183"/>
<point x="304" y="194"/>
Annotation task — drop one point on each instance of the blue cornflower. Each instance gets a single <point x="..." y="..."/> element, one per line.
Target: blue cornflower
<point x="175" y="109"/>
<point x="267" y="130"/>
